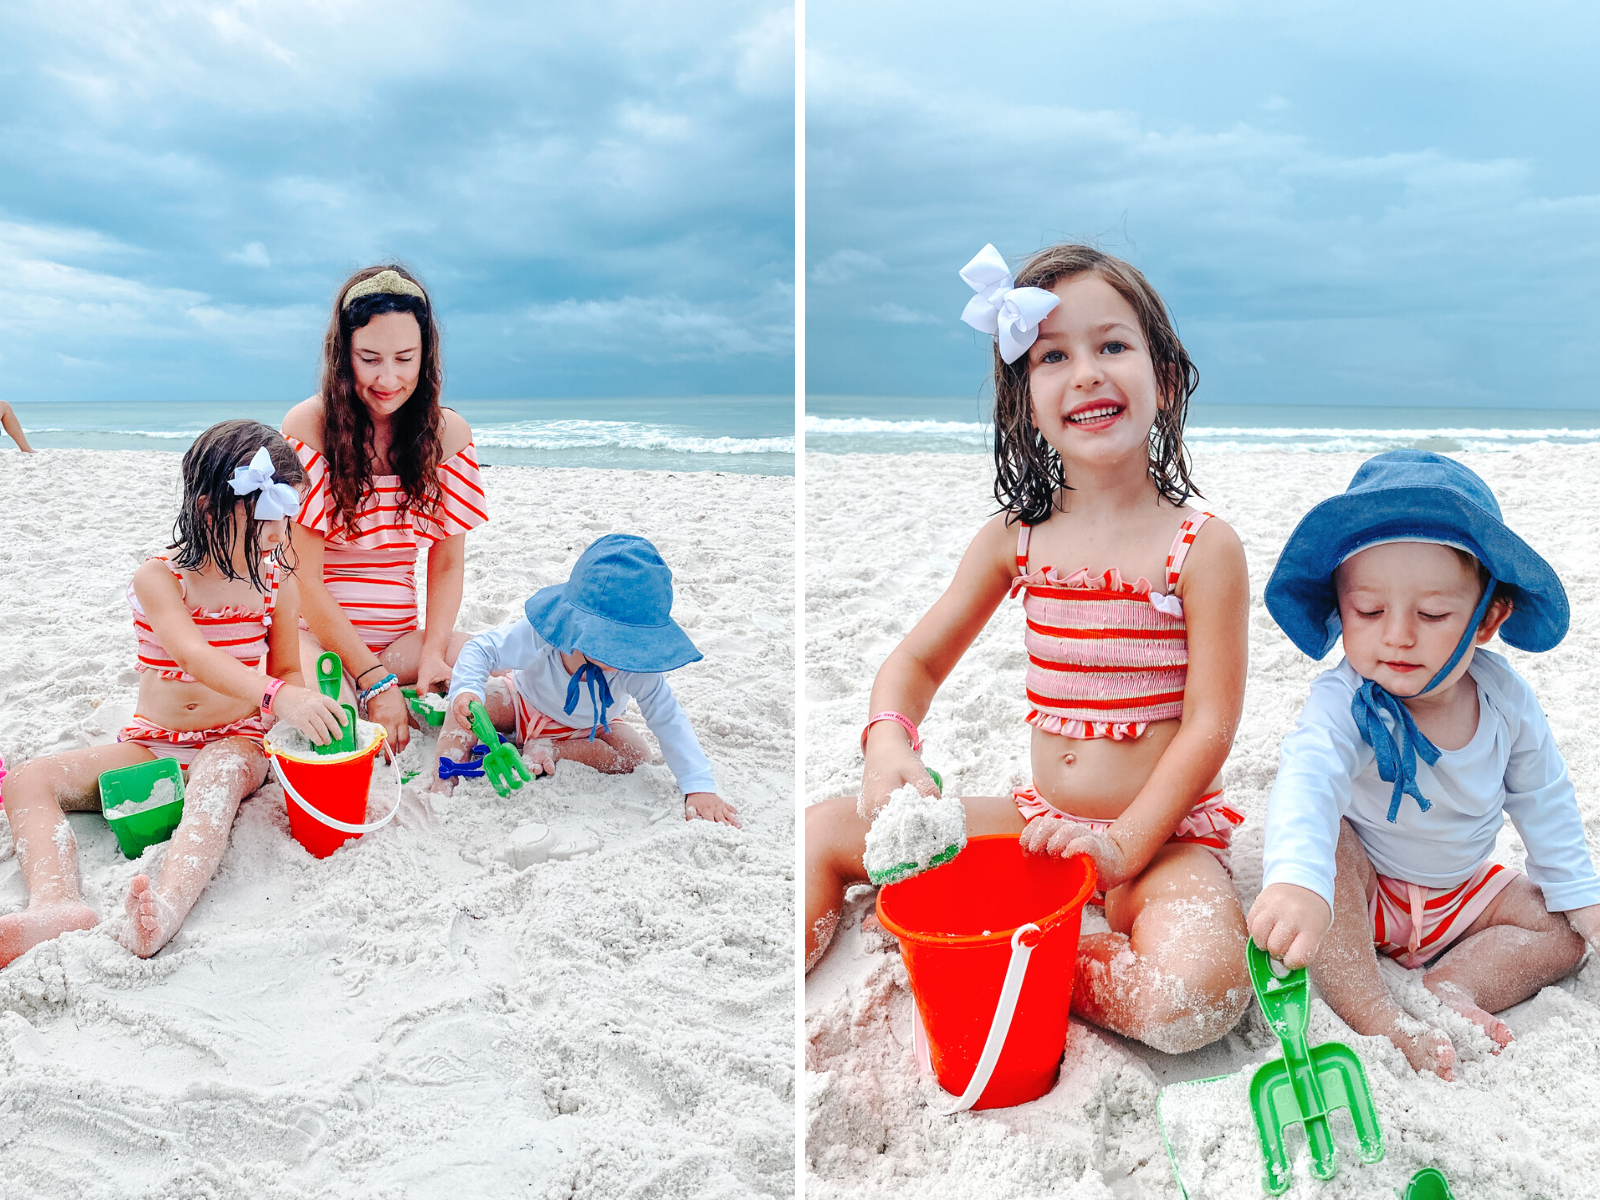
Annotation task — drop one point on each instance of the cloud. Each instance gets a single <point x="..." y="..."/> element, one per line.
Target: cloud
<point x="220" y="167"/>
<point x="1425" y="192"/>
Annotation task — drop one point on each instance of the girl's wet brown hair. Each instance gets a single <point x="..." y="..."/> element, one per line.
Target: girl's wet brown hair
<point x="416" y="451"/>
<point x="1028" y="472"/>
<point x="204" y="531"/>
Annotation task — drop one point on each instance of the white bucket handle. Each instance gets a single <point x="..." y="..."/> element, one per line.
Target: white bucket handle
<point x="1000" y="1025"/>
<point x="330" y="822"/>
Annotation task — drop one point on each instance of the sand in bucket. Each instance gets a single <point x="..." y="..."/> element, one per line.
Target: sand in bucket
<point x="962" y="927"/>
<point x="326" y="795"/>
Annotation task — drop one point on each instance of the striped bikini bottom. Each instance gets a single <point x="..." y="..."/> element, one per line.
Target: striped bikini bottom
<point x="1210" y="823"/>
<point x="1412" y="923"/>
<point x="533" y="724"/>
<point x="184" y="744"/>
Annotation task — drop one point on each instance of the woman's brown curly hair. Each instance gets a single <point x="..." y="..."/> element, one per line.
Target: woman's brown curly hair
<point x="347" y="442"/>
<point x="1028" y="472"/>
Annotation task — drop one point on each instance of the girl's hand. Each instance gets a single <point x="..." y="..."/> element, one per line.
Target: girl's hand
<point x="312" y="713"/>
<point x="389" y="710"/>
<point x="709" y="806"/>
<point x="891" y="764"/>
<point x="431" y="669"/>
<point x="1288" y="922"/>
<point x="1055" y="836"/>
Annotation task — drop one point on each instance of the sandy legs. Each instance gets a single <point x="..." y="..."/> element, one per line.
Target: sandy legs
<point x="220" y="776"/>
<point x="1512" y="950"/>
<point x="36" y="795"/>
<point x="1171" y="973"/>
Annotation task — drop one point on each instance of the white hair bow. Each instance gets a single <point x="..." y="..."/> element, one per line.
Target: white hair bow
<point x="277" y="500"/>
<point x="1011" y="314"/>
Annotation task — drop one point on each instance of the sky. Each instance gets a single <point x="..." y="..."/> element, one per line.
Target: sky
<point x="1341" y="203"/>
<point x="600" y="197"/>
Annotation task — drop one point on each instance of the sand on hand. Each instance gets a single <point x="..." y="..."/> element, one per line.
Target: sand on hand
<point x="1522" y="1123"/>
<point x="913" y="832"/>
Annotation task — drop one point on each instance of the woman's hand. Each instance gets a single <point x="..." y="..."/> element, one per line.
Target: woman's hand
<point x="431" y="669"/>
<point x="388" y="708"/>
<point x="891" y="764"/>
<point x="313" y="714"/>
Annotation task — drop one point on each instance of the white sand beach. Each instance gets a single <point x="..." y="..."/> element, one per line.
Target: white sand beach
<point x="883" y="538"/>
<point x="411" y="1018"/>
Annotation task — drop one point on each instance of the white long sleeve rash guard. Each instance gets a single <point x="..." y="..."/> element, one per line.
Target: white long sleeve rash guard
<point x="1510" y="767"/>
<point x="538" y="674"/>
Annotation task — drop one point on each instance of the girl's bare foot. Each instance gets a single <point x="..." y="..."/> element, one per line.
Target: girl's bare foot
<point x="151" y="921"/>
<point x="709" y="806"/>
<point x="1454" y="996"/>
<point x="20" y="932"/>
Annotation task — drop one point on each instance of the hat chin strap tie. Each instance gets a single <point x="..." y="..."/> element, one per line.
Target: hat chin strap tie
<point x="1397" y="757"/>
<point x="599" y="695"/>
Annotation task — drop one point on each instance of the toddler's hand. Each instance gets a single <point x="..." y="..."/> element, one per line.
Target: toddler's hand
<point x="461" y="710"/>
<point x="317" y="716"/>
<point x="1288" y="921"/>
<point x="709" y="806"/>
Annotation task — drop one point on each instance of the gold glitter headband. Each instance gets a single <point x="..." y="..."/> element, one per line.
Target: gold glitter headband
<point x="387" y="283"/>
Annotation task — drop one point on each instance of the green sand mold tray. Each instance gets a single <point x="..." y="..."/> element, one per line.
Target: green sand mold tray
<point x="137" y="805"/>
<point x="429" y="708"/>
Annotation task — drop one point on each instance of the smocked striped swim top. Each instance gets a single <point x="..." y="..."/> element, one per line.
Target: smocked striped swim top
<point x="241" y="632"/>
<point x="372" y="572"/>
<point x="1105" y="657"/>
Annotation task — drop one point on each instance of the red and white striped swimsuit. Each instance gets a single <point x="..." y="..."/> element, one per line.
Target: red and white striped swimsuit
<point x="1106" y="658"/>
<point x="373" y="575"/>
<point x="242" y="632"/>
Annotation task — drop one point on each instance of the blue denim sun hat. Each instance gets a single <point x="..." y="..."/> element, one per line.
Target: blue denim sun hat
<point x="616" y="607"/>
<point x="1411" y="495"/>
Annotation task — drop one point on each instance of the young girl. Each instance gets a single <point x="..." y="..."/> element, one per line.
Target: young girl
<point x="1135" y="688"/>
<point x="581" y="649"/>
<point x="205" y="618"/>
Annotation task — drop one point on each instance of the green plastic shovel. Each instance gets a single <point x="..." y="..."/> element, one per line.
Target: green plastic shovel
<point x="1429" y="1184"/>
<point x="1306" y="1084"/>
<point x="503" y="765"/>
<point x="330" y="671"/>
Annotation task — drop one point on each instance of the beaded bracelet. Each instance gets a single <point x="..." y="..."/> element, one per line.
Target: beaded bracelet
<point x="383" y="685"/>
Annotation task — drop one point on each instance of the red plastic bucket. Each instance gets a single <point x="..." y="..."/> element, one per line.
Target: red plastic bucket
<point x="992" y="922"/>
<point x="327" y="801"/>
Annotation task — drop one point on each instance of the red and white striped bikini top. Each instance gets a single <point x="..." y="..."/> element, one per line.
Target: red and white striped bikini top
<point x="1105" y="657"/>
<point x="238" y="631"/>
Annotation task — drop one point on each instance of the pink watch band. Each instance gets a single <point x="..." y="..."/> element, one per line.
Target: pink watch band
<point x="268" y="695"/>
<point x="903" y="721"/>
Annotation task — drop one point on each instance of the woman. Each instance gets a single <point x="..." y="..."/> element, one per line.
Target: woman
<point x="388" y="468"/>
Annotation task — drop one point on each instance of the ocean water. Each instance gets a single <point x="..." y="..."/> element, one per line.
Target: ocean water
<point x="742" y="434"/>
<point x="946" y="425"/>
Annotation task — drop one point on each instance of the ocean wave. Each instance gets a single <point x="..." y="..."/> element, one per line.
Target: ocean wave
<point x="864" y="434"/>
<point x="623" y="435"/>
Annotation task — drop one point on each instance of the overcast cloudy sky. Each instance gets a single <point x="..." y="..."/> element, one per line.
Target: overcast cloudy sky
<point x="1343" y="202"/>
<point x="600" y="196"/>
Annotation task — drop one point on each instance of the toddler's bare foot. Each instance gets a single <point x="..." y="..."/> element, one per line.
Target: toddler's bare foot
<point x="1425" y="1048"/>
<point x="709" y="806"/>
<point x="151" y="921"/>
<point x="1454" y="996"/>
<point x="540" y="754"/>
<point x="20" y="932"/>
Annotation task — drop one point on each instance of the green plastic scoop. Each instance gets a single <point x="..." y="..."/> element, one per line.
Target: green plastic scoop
<point x="502" y="764"/>
<point x="330" y="671"/>
<point x="1306" y="1084"/>
<point x="1429" y="1184"/>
